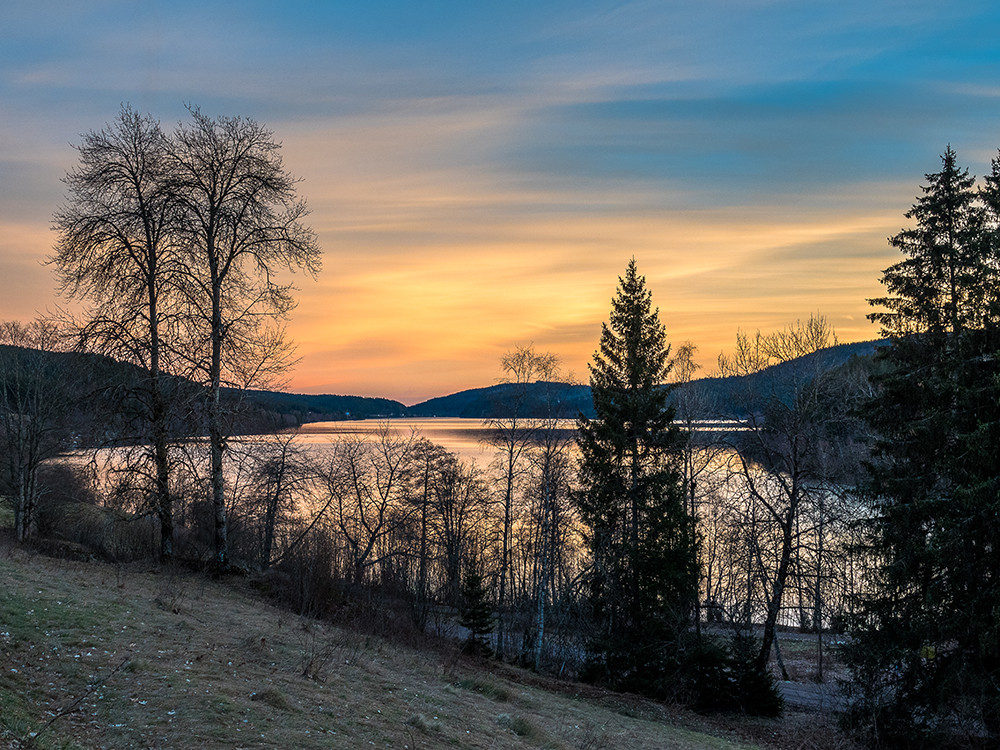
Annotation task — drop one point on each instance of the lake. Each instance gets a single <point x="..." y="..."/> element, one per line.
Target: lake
<point x="464" y="437"/>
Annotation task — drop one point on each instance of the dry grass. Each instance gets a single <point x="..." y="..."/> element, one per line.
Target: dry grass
<point x="95" y="655"/>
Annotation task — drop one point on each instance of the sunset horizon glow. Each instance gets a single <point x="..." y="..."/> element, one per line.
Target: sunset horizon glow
<point x="479" y="177"/>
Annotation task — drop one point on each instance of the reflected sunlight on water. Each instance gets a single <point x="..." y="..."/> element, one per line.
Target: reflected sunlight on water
<point x="465" y="437"/>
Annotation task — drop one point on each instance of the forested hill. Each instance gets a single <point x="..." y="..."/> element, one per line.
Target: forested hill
<point x="723" y="397"/>
<point x="714" y="396"/>
<point x="109" y="387"/>
<point x="537" y="399"/>
<point x="264" y="410"/>
<point x="301" y="408"/>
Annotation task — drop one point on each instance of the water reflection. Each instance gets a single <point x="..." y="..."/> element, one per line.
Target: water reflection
<point x="467" y="438"/>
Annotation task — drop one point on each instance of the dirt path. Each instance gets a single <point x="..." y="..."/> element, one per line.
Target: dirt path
<point x="822" y="697"/>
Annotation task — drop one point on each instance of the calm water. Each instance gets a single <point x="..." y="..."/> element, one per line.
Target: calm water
<point x="464" y="437"/>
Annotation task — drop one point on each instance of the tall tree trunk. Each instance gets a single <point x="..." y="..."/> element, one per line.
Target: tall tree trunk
<point x="216" y="435"/>
<point x="543" y="575"/>
<point x="164" y="501"/>
<point x="161" y="460"/>
<point x="774" y="602"/>
<point x="21" y="510"/>
<point x="422" y="563"/>
<point x="508" y="511"/>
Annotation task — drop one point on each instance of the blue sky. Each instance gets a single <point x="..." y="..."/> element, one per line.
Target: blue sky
<point x="480" y="173"/>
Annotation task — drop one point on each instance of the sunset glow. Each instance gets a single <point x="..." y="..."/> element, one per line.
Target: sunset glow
<point x="479" y="178"/>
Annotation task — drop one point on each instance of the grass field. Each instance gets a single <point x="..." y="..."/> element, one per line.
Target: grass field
<point x="95" y="655"/>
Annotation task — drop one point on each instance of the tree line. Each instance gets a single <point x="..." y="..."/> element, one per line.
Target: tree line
<point x="639" y="549"/>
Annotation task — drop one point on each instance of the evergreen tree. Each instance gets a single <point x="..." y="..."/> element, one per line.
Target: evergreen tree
<point x="643" y="579"/>
<point x="926" y="655"/>
<point x="937" y="289"/>
<point x="475" y="613"/>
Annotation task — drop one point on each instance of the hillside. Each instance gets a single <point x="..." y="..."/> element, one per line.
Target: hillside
<point x="564" y="400"/>
<point x="119" y="657"/>
<point x="302" y="408"/>
<point x="713" y="394"/>
<point x="262" y="411"/>
<point x="719" y="397"/>
<point x="99" y="383"/>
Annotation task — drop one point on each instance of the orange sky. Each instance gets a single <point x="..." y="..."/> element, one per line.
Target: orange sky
<point x="479" y="175"/>
<point x="433" y="272"/>
<point x="429" y="277"/>
<point x="433" y="315"/>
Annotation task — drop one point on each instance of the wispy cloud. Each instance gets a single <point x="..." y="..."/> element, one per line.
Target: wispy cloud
<point x="480" y="174"/>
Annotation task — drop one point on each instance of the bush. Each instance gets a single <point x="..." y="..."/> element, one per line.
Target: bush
<point x="69" y="513"/>
<point x="646" y="660"/>
<point x="918" y="697"/>
<point x="305" y="581"/>
<point x="710" y="670"/>
<point x="726" y="678"/>
<point x="112" y="535"/>
<point x="755" y="690"/>
<point x="64" y="487"/>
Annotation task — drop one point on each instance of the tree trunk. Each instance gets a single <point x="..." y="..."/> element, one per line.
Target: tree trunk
<point x="774" y="603"/>
<point x="164" y="502"/>
<point x="422" y="565"/>
<point x="216" y="436"/>
<point x="543" y="576"/>
<point x="21" y="516"/>
<point x="505" y="556"/>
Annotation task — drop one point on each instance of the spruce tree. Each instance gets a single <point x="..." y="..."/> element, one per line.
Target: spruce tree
<point x="926" y="649"/>
<point x="475" y="613"/>
<point x="643" y="578"/>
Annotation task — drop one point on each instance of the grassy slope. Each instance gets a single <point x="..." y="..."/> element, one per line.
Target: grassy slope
<point x="99" y="656"/>
<point x="93" y="655"/>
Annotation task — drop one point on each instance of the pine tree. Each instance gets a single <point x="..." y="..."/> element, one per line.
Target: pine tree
<point x="926" y="654"/>
<point x="643" y="579"/>
<point x="475" y="613"/>
<point x="936" y="289"/>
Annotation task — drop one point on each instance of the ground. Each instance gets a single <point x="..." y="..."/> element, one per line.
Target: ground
<point x="103" y="656"/>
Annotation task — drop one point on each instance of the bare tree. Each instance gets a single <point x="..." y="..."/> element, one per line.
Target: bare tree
<point x="366" y="481"/>
<point x="241" y="225"/>
<point x="275" y="478"/>
<point x="512" y="432"/>
<point x="429" y="463"/>
<point x="35" y="400"/>
<point x="700" y="452"/>
<point x="550" y="463"/>
<point x="778" y="455"/>
<point x="117" y="250"/>
<point x="460" y="508"/>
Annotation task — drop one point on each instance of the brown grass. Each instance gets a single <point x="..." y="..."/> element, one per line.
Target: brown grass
<point x="95" y="655"/>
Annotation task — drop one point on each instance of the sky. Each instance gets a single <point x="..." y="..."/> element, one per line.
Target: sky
<point x="480" y="174"/>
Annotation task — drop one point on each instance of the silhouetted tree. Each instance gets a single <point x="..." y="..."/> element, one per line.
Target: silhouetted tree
<point x="428" y="461"/>
<point x="366" y="481"/>
<point x="275" y="479"/>
<point x="240" y="224"/>
<point x="644" y="574"/>
<point x="701" y="452"/>
<point x="36" y="399"/>
<point x="117" y="249"/>
<point x="475" y="613"/>
<point x="459" y="507"/>
<point x="512" y="434"/>
<point x="549" y="492"/>
<point x="926" y="659"/>
<point x="780" y="459"/>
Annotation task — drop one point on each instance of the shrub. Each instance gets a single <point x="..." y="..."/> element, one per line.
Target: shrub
<point x="755" y="690"/>
<point x="726" y="678"/>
